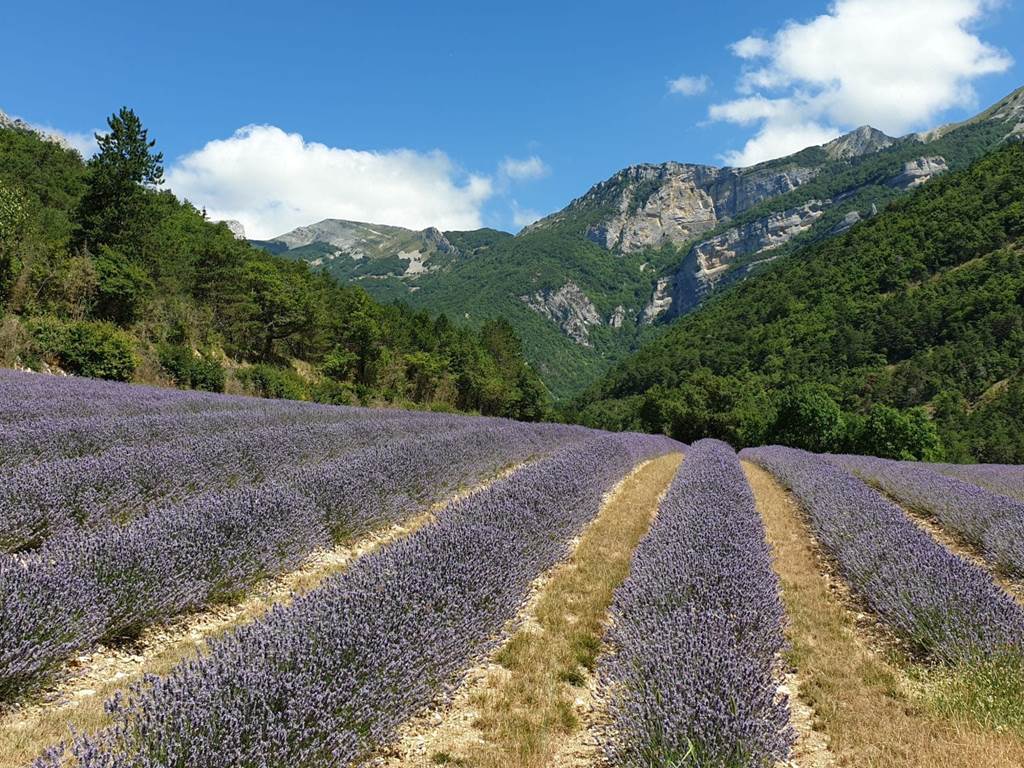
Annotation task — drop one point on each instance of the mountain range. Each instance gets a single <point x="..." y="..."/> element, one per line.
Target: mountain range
<point x="593" y="282"/>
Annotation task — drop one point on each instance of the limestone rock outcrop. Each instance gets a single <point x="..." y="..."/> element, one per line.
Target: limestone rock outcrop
<point x="567" y="307"/>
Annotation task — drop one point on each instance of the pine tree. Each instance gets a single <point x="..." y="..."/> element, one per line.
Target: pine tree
<point x="118" y="176"/>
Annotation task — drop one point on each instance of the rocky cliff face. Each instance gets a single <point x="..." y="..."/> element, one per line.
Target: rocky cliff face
<point x="236" y="228"/>
<point x="654" y="205"/>
<point x="919" y="171"/>
<point x="707" y="262"/>
<point x="567" y="307"/>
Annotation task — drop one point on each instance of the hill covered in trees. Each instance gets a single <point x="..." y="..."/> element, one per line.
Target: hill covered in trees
<point x="103" y="274"/>
<point x="590" y="284"/>
<point x="903" y="337"/>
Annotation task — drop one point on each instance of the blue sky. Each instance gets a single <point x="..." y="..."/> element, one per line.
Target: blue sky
<point x="503" y="110"/>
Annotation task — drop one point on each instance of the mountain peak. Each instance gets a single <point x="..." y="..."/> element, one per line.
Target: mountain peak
<point x="861" y="141"/>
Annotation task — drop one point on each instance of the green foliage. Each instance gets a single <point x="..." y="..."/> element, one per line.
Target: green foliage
<point x="94" y="349"/>
<point x="114" y="200"/>
<point x="100" y="242"/>
<point x="122" y="287"/>
<point x="269" y="381"/>
<point x="895" y="434"/>
<point x="13" y="218"/>
<point x="922" y="306"/>
<point x="808" y="418"/>
<point x="190" y="369"/>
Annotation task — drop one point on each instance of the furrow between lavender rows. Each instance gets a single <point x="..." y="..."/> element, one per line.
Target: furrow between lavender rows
<point x="329" y="678"/>
<point x="697" y="629"/>
<point x="111" y="583"/>
<point x="940" y="604"/>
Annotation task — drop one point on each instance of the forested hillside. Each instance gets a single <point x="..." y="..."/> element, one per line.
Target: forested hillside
<point x="590" y="284"/>
<point x="103" y="274"/>
<point x="903" y="337"/>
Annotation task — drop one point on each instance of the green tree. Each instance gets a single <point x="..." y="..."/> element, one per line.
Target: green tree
<point x="280" y="306"/>
<point x="13" y="218"/>
<point x="122" y="287"/>
<point x="117" y="177"/>
<point x="894" y="434"/>
<point x="809" y="418"/>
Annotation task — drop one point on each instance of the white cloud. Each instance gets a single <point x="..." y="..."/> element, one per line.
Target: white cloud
<point x="893" y="65"/>
<point x="527" y="169"/>
<point x="751" y="47"/>
<point x="689" y="85"/>
<point x="272" y="181"/>
<point x="524" y="217"/>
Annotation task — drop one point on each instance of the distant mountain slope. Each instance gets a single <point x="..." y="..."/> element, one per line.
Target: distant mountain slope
<point x="921" y="306"/>
<point x="586" y="286"/>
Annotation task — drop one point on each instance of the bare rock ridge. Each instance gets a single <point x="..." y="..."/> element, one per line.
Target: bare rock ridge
<point x="917" y="172"/>
<point x="17" y="124"/>
<point x="863" y="141"/>
<point x="671" y="203"/>
<point x="357" y="241"/>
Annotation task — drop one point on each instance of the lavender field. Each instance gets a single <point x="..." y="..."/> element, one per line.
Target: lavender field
<point x="127" y="513"/>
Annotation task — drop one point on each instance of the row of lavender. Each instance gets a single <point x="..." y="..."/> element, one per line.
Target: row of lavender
<point x="44" y="499"/>
<point x="1005" y="479"/>
<point x="992" y="523"/>
<point x="113" y="582"/>
<point x="141" y="532"/>
<point x="698" y="628"/>
<point x="65" y="436"/>
<point x="326" y="680"/>
<point x="22" y="398"/>
<point x="941" y="604"/>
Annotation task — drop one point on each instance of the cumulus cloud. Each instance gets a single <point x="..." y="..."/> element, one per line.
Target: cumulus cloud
<point x="272" y="181"/>
<point x="893" y="65"/>
<point x="527" y="169"/>
<point x="524" y="217"/>
<point x="689" y="85"/>
<point x="751" y="47"/>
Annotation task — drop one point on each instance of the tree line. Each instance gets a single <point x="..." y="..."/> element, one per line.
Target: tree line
<point x="105" y="273"/>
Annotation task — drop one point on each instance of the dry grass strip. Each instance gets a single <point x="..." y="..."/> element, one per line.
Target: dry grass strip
<point x="532" y="704"/>
<point x="77" y="701"/>
<point x="862" y="703"/>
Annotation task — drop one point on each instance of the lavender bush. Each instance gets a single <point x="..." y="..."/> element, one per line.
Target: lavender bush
<point x="943" y="605"/>
<point x="45" y="499"/>
<point x="213" y="546"/>
<point x="990" y="522"/>
<point x="1007" y="479"/>
<point x="327" y="679"/>
<point x="697" y="630"/>
<point x="145" y="530"/>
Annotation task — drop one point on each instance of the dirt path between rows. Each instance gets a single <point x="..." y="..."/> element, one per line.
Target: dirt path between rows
<point x="533" y="702"/>
<point x="76" y="701"/>
<point x="853" y="706"/>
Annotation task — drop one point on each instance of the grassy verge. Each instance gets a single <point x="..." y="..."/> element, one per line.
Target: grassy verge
<point x="874" y="712"/>
<point x="526" y="713"/>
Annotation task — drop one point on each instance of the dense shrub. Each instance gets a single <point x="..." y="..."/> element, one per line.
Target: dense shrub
<point x="268" y="381"/>
<point x="95" y="349"/>
<point x="191" y="370"/>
